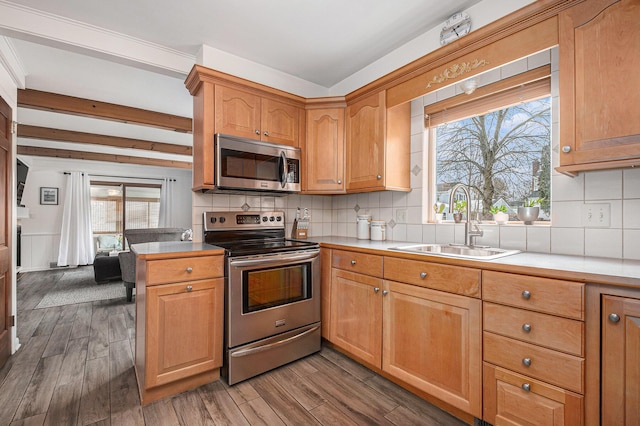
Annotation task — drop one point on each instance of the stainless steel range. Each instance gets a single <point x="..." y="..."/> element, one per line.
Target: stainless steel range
<point x="272" y="285"/>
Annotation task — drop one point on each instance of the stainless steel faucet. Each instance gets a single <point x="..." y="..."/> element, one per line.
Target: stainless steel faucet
<point x="469" y="235"/>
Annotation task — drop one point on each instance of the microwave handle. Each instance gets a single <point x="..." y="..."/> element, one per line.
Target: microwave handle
<point x="283" y="169"/>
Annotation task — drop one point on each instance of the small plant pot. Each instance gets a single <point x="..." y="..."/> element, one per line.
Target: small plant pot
<point x="501" y="218"/>
<point x="457" y="217"/>
<point x="438" y="217"/>
<point x="528" y="214"/>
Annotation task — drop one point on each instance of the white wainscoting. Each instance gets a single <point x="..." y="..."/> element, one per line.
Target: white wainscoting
<point x="38" y="251"/>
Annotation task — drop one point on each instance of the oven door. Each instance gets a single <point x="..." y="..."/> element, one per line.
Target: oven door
<point x="271" y="294"/>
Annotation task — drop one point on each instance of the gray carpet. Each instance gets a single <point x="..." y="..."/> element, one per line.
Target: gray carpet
<point x="78" y="286"/>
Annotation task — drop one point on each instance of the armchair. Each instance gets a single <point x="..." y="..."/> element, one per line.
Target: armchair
<point x="137" y="236"/>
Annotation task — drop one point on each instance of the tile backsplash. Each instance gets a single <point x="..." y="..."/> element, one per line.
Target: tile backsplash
<point x="404" y="215"/>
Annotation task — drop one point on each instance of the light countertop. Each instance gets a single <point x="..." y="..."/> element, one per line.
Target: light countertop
<point x="175" y="249"/>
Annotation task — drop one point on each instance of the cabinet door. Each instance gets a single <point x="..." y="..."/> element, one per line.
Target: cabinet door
<point x="356" y="315"/>
<point x="366" y="143"/>
<point x="325" y="150"/>
<point x="184" y="330"/>
<point x="279" y="122"/>
<point x="620" y="361"/>
<point x="433" y="341"/>
<point x="513" y="399"/>
<point x="237" y="113"/>
<point x="599" y="45"/>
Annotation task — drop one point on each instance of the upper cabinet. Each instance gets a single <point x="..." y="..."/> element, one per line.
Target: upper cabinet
<point x="248" y="115"/>
<point x="324" y="150"/>
<point x="599" y="107"/>
<point x="378" y="145"/>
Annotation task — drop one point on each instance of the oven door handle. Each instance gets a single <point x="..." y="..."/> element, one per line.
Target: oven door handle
<point x="251" y="351"/>
<point x="265" y="261"/>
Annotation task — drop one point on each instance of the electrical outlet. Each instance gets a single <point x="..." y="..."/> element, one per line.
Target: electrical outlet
<point x="596" y="215"/>
<point x="401" y="216"/>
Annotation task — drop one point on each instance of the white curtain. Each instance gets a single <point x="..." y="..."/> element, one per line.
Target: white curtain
<point x="76" y="237"/>
<point x="166" y="217"/>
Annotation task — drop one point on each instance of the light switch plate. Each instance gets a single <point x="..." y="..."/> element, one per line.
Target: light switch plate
<point x="596" y="215"/>
<point x="401" y="216"/>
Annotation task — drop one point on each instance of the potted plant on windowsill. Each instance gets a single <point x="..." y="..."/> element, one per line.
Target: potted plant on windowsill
<point x="458" y="207"/>
<point x="500" y="214"/>
<point x="438" y="208"/>
<point x="530" y="211"/>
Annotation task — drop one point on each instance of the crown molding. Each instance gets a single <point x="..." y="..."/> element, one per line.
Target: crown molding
<point x="11" y="62"/>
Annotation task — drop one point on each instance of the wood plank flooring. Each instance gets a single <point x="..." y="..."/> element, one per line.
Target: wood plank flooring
<point x="75" y="367"/>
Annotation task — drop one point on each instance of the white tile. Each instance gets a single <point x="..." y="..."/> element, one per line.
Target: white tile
<point x="267" y="202"/>
<point x="513" y="237"/>
<point x="417" y="108"/>
<point x="429" y="98"/>
<point x="201" y="200"/>
<point x="603" y="243"/>
<point x="417" y="142"/>
<point x="342" y="230"/>
<point x="399" y="199"/>
<point x="352" y="200"/>
<point x="398" y="232"/>
<point x="374" y="199"/>
<point x="198" y="233"/>
<point x="489" y="77"/>
<point x="363" y="200"/>
<point x="414" y="198"/>
<point x="429" y="234"/>
<point x="414" y="233"/>
<point x="414" y="215"/>
<point x="539" y="59"/>
<point x="446" y="93"/>
<point x="539" y="239"/>
<point x="459" y="233"/>
<point x="386" y="199"/>
<point x="236" y="201"/>
<point x="417" y="181"/>
<point x="326" y="229"/>
<point x="631" y="183"/>
<point x="567" y="214"/>
<point x="445" y="233"/>
<point x="375" y="214"/>
<point x="340" y="202"/>
<point x="316" y="202"/>
<point x="490" y="235"/>
<point x="254" y="202"/>
<point x="565" y="188"/>
<point x="280" y="203"/>
<point x="567" y="241"/>
<point x="555" y="59"/>
<point x="293" y="201"/>
<point x="417" y="124"/>
<point x="351" y="230"/>
<point x="631" y="214"/>
<point x="616" y="212"/>
<point x="513" y="68"/>
<point x="386" y="213"/>
<point x="631" y="244"/>
<point x="603" y="185"/>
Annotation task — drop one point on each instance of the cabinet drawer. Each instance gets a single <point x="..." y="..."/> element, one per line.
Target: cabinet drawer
<point x="188" y="269"/>
<point x="557" y="368"/>
<point x="561" y="334"/>
<point x="510" y="398"/>
<point x="452" y="279"/>
<point x="563" y="298"/>
<point x="362" y="263"/>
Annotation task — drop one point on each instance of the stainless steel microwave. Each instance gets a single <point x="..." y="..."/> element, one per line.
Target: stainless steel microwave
<point x="250" y="165"/>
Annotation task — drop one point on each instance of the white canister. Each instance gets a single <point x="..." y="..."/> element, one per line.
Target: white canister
<point x="363" y="226"/>
<point x="378" y="230"/>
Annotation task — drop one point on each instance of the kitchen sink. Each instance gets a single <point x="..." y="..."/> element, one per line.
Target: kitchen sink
<point x="456" y="250"/>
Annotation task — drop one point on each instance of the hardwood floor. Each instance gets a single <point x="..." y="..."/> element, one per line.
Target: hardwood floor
<point x="75" y="366"/>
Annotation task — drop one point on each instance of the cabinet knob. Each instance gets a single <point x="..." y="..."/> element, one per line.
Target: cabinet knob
<point x="353" y="262"/>
<point x="385" y="292"/>
<point x="189" y="288"/>
<point x="376" y="289"/>
<point x="423" y="275"/>
<point x="614" y="317"/>
<point x="526" y="362"/>
<point x="566" y="149"/>
<point x="189" y="269"/>
<point x="339" y="182"/>
<point x="526" y="294"/>
<point x="266" y="133"/>
<point x="526" y="387"/>
<point x="257" y="132"/>
<point x="526" y="328"/>
<point x="378" y="177"/>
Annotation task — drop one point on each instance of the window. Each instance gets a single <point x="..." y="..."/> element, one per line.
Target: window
<point x="497" y="145"/>
<point x="119" y="206"/>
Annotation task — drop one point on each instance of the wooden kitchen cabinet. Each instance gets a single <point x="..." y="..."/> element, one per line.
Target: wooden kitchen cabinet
<point x="248" y="115"/>
<point x="599" y="44"/>
<point x="324" y="151"/>
<point x="378" y="145"/>
<point x="432" y="340"/>
<point x="179" y="322"/>
<point x="620" y="352"/>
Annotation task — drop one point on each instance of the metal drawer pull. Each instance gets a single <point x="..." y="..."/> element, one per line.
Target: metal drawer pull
<point x="526" y="362"/>
<point x="385" y="292"/>
<point x="423" y="275"/>
<point x="526" y="328"/>
<point x="353" y="262"/>
<point x="526" y="294"/>
<point x="526" y="387"/>
<point x="614" y="317"/>
<point x="189" y="288"/>
<point x="189" y="269"/>
<point x="251" y="351"/>
<point x="376" y="289"/>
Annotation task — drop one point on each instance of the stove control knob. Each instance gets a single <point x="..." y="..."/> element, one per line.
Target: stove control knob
<point x="222" y="219"/>
<point x="271" y="219"/>
<point x="212" y="219"/>
<point x="264" y="218"/>
<point x="279" y="218"/>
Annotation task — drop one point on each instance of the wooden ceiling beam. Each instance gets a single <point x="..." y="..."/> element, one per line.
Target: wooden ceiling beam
<point x="94" y="156"/>
<point x="35" y="99"/>
<point x="46" y="133"/>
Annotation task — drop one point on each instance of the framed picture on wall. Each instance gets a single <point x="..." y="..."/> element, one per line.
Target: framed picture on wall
<point x="48" y="195"/>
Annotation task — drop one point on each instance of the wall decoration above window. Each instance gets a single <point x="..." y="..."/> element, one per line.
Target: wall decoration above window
<point x="49" y="196"/>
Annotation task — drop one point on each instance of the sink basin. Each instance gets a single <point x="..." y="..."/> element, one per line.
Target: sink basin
<point x="455" y="250"/>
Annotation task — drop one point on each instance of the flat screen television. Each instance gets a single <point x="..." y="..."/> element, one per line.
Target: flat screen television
<point x="21" y="179"/>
